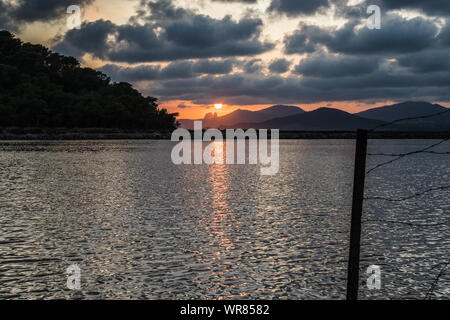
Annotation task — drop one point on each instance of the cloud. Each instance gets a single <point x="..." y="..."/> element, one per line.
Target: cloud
<point x="444" y="35"/>
<point x="174" y="70"/>
<point x="164" y="9"/>
<point x="323" y="66"/>
<point x="93" y="39"/>
<point x="306" y="39"/>
<point x="202" y="31"/>
<point x="297" y="7"/>
<point x="27" y="11"/>
<point x="240" y="1"/>
<point x="430" y="7"/>
<point x="4" y="19"/>
<point x="397" y="35"/>
<point x="131" y="74"/>
<point x="433" y="60"/>
<point x="387" y="82"/>
<point x="253" y="66"/>
<point x="196" y="36"/>
<point x="188" y="106"/>
<point x="214" y="66"/>
<point x="279" y="66"/>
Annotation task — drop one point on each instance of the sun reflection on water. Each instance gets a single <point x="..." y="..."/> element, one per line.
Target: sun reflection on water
<point x="218" y="225"/>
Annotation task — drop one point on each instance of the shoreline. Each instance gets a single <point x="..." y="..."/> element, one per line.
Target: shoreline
<point x="115" y="134"/>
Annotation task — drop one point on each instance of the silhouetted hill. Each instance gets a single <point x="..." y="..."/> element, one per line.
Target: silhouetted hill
<point x="402" y="110"/>
<point x="323" y="119"/>
<point x="278" y="111"/>
<point x="411" y="110"/>
<point x="43" y="89"/>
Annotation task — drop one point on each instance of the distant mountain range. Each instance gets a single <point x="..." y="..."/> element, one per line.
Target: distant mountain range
<point x="329" y="119"/>
<point x="411" y="110"/>
<point x="211" y="120"/>
<point x="401" y="110"/>
<point x="323" y="119"/>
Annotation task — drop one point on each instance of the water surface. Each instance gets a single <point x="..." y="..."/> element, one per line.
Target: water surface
<point x="140" y="227"/>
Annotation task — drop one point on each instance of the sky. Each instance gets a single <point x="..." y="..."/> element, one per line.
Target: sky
<point x="250" y="54"/>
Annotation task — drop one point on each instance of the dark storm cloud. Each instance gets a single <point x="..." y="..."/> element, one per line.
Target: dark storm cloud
<point x="33" y="10"/>
<point x="4" y="19"/>
<point x="254" y="89"/>
<point x="279" y="66"/>
<point x="342" y="10"/>
<point x="197" y="36"/>
<point x="434" y="8"/>
<point x="161" y="10"/>
<point x="177" y="70"/>
<point x="434" y="60"/>
<point x="253" y="66"/>
<point x="188" y="69"/>
<point x="385" y="77"/>
<point x="241" y="1"/>
<point x="26" y="11"/>
<point x="336" y="66"/>
<point x="430" y="7"/>
<point x="444" y="35"/>
<point x="174" y="70"/>
<point x="131" y="74"/>
<point x="93" y="39"/>
<point x="397" y="35"/>
<point x="307" y="39"/>
<point x="297" y="7"/>
<point x="202" y="31"/>
<point x="168" y="33"/>
<point x="214" y="66"/>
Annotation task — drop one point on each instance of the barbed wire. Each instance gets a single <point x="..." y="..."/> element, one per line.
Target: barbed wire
<point x="436" y="280"/>
<point x="408" y="197"/>
<point x="398" y="157"/>
<point x="402" y="155"/>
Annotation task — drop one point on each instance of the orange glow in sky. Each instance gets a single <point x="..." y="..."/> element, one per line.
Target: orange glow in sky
<point x="199" y="111"/>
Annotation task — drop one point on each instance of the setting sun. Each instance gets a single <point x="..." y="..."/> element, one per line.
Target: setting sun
<point x="218" y="106"/>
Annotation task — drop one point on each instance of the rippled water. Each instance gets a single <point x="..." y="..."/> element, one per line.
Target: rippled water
<point x="142" y="228"/>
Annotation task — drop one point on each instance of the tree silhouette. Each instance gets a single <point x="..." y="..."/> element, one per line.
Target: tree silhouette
<point x="40" y="88"/>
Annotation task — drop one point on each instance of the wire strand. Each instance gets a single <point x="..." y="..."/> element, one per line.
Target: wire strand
<point x="408" y="197"/>
<point x="401" y="156"/>
<point x="417" y="194"/>
<point x="436" y="280"/>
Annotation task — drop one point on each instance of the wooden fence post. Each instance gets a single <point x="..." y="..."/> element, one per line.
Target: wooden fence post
<point x="357" y="208"/>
